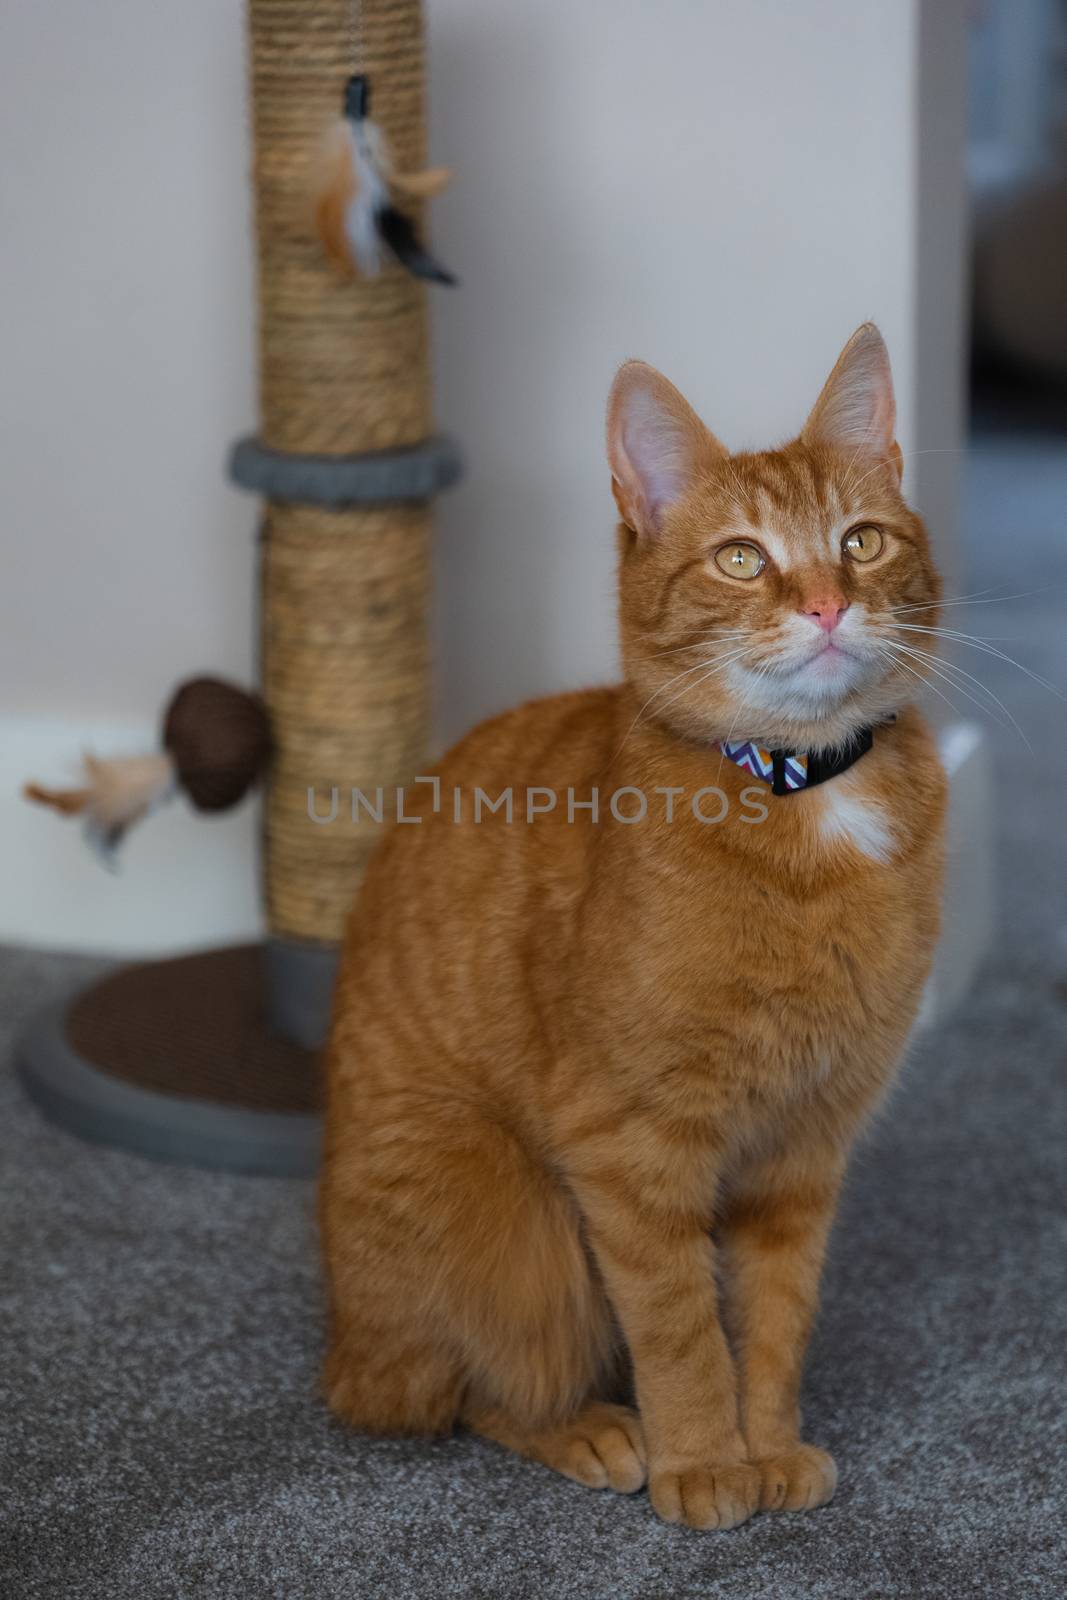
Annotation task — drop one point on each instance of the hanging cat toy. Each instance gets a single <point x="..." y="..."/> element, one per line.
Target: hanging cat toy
<point x="216" y="743"/>
<point x="357" y="186"/>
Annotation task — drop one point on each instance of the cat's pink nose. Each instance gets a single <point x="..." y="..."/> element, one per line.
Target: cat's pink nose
<point x="827" y="612"/>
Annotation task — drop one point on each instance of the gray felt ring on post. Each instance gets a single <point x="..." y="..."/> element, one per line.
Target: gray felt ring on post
<point x="416" y="473"/>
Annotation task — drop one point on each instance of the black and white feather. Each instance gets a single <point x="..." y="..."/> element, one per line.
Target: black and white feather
<point x="358" y="222"/>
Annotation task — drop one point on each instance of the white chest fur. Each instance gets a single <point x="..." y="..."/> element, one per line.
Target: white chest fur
<point x="846" y="814"/>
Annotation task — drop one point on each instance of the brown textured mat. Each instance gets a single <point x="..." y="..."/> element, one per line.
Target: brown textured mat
<point x="195" y="1027"/>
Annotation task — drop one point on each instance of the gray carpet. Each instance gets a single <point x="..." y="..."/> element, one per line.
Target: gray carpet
<point x="160" y="1431"/>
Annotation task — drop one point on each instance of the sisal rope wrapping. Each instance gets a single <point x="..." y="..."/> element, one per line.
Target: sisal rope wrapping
<point x="346" y="676"/>
<point x="344" y="369"/>
<point x="344" y="363"/>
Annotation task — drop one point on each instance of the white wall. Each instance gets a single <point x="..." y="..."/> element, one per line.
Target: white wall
<point x="126" y="352"/>
<point x="940" y="276"/>
<point x="724" y="187"/>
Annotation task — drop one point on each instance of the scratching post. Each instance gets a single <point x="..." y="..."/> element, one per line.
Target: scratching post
<point x="345" y="672"/>
<point x="212" y="1059"/>
<point x="343" y="366"/>
<point x="348" y="462"/>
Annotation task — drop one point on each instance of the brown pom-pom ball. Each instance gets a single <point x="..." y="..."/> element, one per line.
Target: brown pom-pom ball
<point x="219" y="737"/>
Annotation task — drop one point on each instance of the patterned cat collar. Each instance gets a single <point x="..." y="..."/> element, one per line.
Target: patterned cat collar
<point x="787" y="771"/>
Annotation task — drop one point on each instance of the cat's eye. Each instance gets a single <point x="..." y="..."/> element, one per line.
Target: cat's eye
<point x="739" y="560"/>
<point x="863" y="543"/>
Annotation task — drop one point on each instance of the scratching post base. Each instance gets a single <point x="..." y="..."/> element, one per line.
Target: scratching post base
<point x="179" y="1060"/>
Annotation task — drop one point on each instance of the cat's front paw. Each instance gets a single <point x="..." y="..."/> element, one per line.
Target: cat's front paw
<point x="796" y="1480"/>
<point x="706" y="1497"/>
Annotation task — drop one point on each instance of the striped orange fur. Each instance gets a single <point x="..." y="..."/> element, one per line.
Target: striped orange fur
<point x="592" y="1083"/>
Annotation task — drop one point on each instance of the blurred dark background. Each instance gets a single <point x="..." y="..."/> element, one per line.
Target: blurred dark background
<point x="1017" y="165"/>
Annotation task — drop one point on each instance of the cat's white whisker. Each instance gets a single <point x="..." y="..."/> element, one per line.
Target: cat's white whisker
<point x="953" y="600"/>
<point x="716" y="664"/>
<point x="926" y="684"/>
<point x="719" y="664"/>
<point x="976" y="599"/>
<point x="945" y="668"/>
<point x="985" y="645"/>
<point x="699" y="643"/>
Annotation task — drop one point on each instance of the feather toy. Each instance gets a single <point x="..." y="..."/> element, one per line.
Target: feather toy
<point x="216" y="743"/>
<point x="116" y="794"/>
<point x="358" y="223"/>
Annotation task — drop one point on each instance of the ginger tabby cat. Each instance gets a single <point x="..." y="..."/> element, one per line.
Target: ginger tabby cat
<point x="591" y="1075"/>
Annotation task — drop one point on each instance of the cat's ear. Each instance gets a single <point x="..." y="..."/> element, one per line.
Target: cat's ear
<point x="656" y="446"/>
<point x="856" y="410"/>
